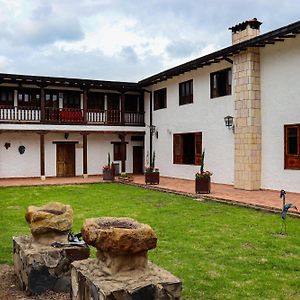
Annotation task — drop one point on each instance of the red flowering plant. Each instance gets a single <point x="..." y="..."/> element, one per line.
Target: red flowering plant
<point x="151" y="168"/>
<point x="202" y="174"/>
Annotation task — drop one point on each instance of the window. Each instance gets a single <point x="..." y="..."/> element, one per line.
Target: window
<point x="292" y="146"/>
<point x="95" y="101"/>
<point x="118" y="151"/>
<point x="71" y="100"/>
<point x="132" y="103"/>
<point x="220" y="83"/>
<point x="187" y="148"/>
<point x="29" y="98"/>
<point x="160" y="99"/>
<point x="6" y="97"/>
<point x="186" y="92"/>
<point x="51" y="99"/>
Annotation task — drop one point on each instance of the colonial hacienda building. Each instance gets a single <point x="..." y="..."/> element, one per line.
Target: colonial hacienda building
<point x="241" y="104"/>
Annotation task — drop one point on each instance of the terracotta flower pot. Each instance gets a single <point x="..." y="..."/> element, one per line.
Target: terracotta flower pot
<point x="202" y="185"/>
<point x="152" y="178"/>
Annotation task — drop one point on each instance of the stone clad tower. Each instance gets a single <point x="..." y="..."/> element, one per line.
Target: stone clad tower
<point x="246" y="87"/>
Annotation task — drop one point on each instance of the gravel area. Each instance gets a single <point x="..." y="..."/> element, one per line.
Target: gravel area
<point x="9" y="289"/>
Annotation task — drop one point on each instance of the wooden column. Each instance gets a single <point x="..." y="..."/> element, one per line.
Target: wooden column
<point x="85" y="161"/>
<point x="42" y="104"/>
<point x="42" y="155"/>
<point x="85" y="100"/>
<point x="123" y="152"/>
<point x="122" y="109"/>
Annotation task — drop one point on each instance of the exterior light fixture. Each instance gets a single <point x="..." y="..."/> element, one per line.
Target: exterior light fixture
<point x="229" y="123"/>
<point x="152" y="129"/>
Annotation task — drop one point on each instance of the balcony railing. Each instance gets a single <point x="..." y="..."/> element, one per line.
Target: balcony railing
<point x="20" y="113"/>
<point x="53" y="115"/>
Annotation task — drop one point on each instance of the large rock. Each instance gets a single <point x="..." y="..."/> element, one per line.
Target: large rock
<point x="118" y="235"/>
<point x="52" y="217"/>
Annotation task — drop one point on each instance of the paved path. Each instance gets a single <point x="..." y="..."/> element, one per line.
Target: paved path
<point x="222" y="192"/>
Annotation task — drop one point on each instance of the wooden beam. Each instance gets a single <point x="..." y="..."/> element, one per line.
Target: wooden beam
<point x="228" y="59"/>
<point x="123" y="109"/>
<point x="85" y="157"/>
<point x="42" y="155"/>
<point x="85" y="100"/>
<point x="43" y="105"/>
<point x="123" y="151"/>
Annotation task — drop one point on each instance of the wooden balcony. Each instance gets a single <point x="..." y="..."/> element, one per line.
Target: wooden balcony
<point x="50" y="115"/>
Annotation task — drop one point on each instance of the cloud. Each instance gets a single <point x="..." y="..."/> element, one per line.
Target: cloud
<point x="122" y="40"/>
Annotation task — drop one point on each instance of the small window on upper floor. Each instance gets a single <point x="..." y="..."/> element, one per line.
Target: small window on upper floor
<point x="186" y="92"/>
<point x="160" y="99"/>
<point x="6" y="97"/>
<point x="220" y="83"/>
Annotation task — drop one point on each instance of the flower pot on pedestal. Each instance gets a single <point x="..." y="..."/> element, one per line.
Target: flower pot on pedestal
<point x="152" y="178"/>
<point x="202" y="185"/>
<point x="109" y="174"/>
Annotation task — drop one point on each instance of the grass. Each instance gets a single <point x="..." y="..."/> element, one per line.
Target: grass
<point x="218" y="251"/>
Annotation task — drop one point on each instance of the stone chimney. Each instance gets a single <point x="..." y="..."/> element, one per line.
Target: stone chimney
<point x="245" y="30"/>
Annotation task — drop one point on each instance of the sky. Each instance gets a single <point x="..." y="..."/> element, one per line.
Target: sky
<point x="123" y="40"/>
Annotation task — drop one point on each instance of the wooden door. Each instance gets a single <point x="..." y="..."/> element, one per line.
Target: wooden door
<point x="138" y="159"/>
<point x="65" y="160"/>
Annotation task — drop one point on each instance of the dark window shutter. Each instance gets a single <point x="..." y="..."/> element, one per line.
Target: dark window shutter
<point x="213" y="85"/>
<point x="198" y="148"/>
<point x="292" y="147"/>
<point x="177" y="149"/>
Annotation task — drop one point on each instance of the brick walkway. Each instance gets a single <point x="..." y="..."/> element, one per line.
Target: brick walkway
<point x="268" y="199"/>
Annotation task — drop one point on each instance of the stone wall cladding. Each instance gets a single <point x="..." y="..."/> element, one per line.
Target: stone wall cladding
<point x="40" y="268"/>
<point x="244" y="35"/>
<point x="89" y="282"/>
<point x="246" y="82"/>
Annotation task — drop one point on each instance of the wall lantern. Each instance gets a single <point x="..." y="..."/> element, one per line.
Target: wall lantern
<point x="229" y="123"/>
<point x="152" y="129"/>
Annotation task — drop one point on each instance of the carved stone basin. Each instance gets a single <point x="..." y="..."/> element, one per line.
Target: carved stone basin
<point x="122" y="243"/>
<point x="53" y="216"/>
<point x="118" y="235"/>
<point x="121" y="269"/>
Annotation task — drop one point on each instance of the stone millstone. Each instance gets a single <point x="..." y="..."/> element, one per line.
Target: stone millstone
<point x="118" y="235"/>
<point x="53" y="216"/>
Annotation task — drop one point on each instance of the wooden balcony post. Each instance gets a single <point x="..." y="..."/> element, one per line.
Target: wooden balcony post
<point x="85" y="100"/>
<point x="85" y="157"/>
<point x="42" y="104"/>
<point x="42" y="155"/>
<point x="123" y="110"/>
<point x="123" y="152"/>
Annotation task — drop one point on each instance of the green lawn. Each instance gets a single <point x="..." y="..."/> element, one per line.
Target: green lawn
<point x="219" y="251"/>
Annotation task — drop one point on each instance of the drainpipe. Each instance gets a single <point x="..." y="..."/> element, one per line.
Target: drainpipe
<point x="150" y="92"/>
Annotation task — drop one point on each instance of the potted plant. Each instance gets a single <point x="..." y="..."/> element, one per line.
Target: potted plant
<point x="108" y="170"/>
<point x="152" y="173"/>
<point x="202" y="179"/>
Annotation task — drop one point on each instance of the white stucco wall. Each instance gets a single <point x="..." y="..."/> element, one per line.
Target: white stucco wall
<point x="280" y="96"/>
<point x="13" y="164"/>
<point x="205" y="115"/>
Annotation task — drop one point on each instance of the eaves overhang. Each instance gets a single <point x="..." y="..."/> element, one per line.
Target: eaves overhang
<point x="272" y="37"/>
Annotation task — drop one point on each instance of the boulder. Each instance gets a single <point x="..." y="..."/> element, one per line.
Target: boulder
<point x="118" y="235"/>
<point x="52" y="217"/>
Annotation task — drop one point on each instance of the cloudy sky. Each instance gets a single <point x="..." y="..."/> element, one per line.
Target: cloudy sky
<point x="124" y="40"/>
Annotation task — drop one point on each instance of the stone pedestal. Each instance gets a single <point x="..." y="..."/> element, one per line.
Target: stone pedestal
<point x="89" y="282"/>
<point x="42" y="267"/>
